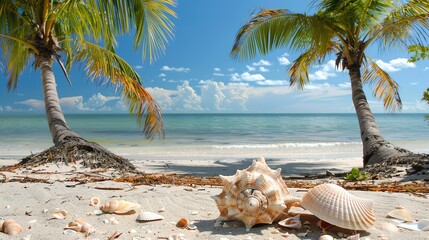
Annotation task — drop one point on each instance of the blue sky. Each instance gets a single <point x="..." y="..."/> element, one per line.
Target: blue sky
<point x="197" y="74"/>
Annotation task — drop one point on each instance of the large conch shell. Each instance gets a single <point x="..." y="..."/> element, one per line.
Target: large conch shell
<point x="120" y="207"/>
<point x="10" y="227"/>
<point x="333" y="204"/>
<point x="258" y="194"/>
<point x="255" y="195"/>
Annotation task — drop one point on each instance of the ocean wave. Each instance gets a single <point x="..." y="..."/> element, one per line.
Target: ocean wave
<point x="286" y="145"/>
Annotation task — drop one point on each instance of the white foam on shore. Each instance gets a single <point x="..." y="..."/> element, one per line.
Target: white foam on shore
<point x="288" y="145"/>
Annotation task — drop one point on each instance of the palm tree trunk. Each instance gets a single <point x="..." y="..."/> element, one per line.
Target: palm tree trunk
<point x="57" y="123"/>
<point x="375" y="148"/>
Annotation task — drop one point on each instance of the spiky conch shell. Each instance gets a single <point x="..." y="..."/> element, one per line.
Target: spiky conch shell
<point x="254" y="195"/>
<point x="335" y="205"/>
<point x="10" y="227"/>
<point x="120" y="207"/>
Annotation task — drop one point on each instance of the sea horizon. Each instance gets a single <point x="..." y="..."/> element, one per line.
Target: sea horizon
<point x="331" y="140"/>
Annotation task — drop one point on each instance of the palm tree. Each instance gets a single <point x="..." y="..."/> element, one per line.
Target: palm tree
<point x="83" y="31"/>
<point x="344" y="29"/>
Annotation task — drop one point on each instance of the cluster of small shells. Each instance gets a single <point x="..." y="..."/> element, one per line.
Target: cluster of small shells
<point x="258" y="194"/>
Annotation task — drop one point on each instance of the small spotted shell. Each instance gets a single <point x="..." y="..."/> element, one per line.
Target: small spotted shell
<point x="254" y="195"/>
<point x="335" y="205"/>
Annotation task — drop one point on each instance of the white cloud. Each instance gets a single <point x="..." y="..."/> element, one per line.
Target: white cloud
<point x="8" y="109"/>
<point x="414" y="83"/>
<point x="138" y="66"/>
<point x="262" y="62"/>
<point x="162" y="97"/>
<point x="326" y="70"/>
<point x="250" y="68"/>
<point x="187" y="99"/>
<point x="263" y="69"/>
<point x="162" y="75"/>
<point x="246" y="76"/>
<point x="218" y="74"/>
<point x="426" y="68"/>
<point x="283" y="60"/>
<point x="395" y="65"/>
<point x="98" y="100"/>
<point x="34" y="103"/>
<point x="273" y="82"/>
<point x="212" y="97"/>
<point x="345" y="85"/>
<point x="216" y="69"/>
<point x="179" y="69"/>
<point x="231" y="69"/>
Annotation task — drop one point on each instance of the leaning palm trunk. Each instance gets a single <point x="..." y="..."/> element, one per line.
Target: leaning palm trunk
<point x="375" y="148"/>
<point x="57" y="123"/>
<point x="69" y="147"/>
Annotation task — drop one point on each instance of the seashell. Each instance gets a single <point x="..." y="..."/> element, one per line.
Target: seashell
<point x="400" y="213"/>
<point x="292" y="222"/>
<point x="182" y="223"/>
<point x="326" y="237"/>
<point x="254" y="195"/>
<point x="333" y="204"/>
<point x="79" y="225"/>
<point x="162" y="209"/>
<point x="388" y="227"/>
<point x="10" y="227"/>
<point x="61" y="214"/>
<point x="149" y="216"/>
<point x="354" y="237"/>
<point x="422" y="225"/>
<point x="94" y="201"/>
<point x="120" y="207"/>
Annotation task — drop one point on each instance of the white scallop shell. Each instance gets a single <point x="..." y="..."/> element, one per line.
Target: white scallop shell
<point x="333" y="204"/>
<point x="389" y="227"/>
<point x="254" y="195"/>
<point x="400" y="213"/>
<point x="149" y="216"/>
<point x="421" y="225"/>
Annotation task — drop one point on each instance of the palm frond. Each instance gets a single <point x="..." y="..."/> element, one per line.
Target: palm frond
<point x="16" y="56"/>
<point x="298" y="70"/>
<point x="153" y="26"/>
<point x="100" y="63"/>
<point x="384" y="86"/>
<point x="406" y="24"/>
<point x="271" y="29"/>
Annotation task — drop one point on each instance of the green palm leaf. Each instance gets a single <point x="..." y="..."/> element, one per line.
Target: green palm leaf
<point x="384" y="86"/>
<point x="102" y="64"/>
<point x="271" y="29"/>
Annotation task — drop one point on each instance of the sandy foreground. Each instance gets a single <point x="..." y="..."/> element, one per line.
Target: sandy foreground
<point x="32" y="204"/>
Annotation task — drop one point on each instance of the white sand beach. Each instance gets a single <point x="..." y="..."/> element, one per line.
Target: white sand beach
<point x="32" y="204"/>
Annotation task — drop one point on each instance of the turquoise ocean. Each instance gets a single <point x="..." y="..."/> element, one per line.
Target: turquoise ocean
<point x="220" y="137"/>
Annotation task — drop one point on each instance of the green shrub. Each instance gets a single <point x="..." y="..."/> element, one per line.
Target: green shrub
<point x="356" y="175"/>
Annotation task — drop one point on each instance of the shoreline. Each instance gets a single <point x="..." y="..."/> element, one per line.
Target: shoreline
<point x="30" y="196"/>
